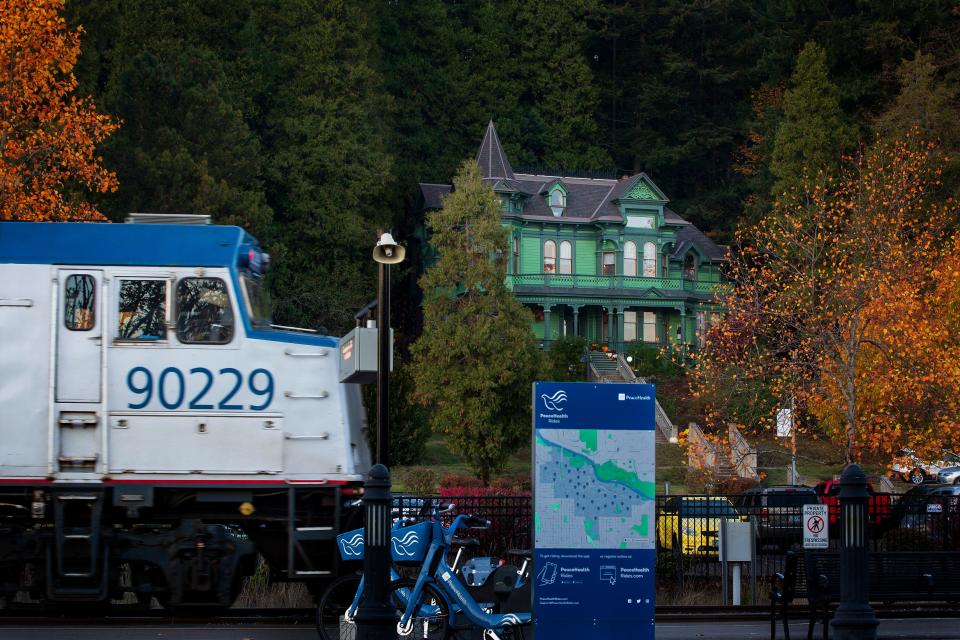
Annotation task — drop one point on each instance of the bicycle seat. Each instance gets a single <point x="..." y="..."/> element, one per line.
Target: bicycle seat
<point x="505" y="579"/>
<point x="465" y="542"/>
<point x="520" y="553"/>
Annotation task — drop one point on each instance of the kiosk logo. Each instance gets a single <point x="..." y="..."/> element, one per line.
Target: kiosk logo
<point x="552" y="402"/>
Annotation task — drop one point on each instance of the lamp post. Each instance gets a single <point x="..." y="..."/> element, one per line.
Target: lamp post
<point x="376" y="617"/>
<point x="855" y="619"/>
<point x="386" y="253"/>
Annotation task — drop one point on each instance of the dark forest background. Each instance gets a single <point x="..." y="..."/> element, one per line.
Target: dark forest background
<point x="310" y="122"/>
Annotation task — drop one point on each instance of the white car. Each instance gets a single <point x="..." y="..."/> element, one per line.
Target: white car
<point x="949" y="475"/>
<point x="916" y="471"/>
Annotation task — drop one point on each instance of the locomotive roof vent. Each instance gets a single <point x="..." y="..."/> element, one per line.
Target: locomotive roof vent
<point x="167" y="218"/>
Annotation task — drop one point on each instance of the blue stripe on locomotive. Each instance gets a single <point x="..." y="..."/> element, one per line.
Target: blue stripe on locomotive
<point x="149" y="245"/>
<point x="135" y="245"/>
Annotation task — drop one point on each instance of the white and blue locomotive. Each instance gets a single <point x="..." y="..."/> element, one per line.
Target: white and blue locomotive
<point x="156" y="430"/>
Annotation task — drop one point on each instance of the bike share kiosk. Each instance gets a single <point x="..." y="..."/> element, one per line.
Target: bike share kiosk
<point x="594" y="510"/>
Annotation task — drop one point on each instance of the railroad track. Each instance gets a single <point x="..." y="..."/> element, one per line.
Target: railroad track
<point x="305" y="616"/>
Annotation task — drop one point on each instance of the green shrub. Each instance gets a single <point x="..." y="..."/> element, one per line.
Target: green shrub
<point x="646" y="359"/>
<point x="563" y="360"/>
<point x="419" y="480"/>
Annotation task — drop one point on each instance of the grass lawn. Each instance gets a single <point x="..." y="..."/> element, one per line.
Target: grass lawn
<point x="438" y="456"/>
<point x="817" y="460"/>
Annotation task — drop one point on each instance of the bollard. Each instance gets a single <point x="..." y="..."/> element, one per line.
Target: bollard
<point x="376" y="618"/>
<point x="855" y="619"/>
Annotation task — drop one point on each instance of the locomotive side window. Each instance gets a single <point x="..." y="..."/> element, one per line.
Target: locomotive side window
<point x="204" y="314"/>
<point x="143" y="310"/>
<point x="79" y="297"/>
<point x="258" y="301"/>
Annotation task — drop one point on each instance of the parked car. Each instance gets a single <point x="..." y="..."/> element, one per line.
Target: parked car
<point x="913" y="469"/>
<point x="879" y="510"/>
<point x="691" y="524"/>
<point x="931" y="508"/>
<point x="777" y="512"/>
<point x="949" y="475"/>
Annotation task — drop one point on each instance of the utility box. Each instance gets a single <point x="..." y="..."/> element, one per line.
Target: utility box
<point x="358" y="355"/>
<point x="736" y="541"/>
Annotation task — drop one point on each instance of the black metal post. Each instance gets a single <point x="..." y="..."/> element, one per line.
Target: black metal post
<point x="855" y="619"/>
<point x="376" y="618"/>
<point x="383" y="364"/>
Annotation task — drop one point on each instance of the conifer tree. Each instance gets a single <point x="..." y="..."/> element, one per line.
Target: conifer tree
<point x="927" y="107"/>
<point x="325" y="115"/>
<point x="563" y="92"/>
<point x="477" y="357"/>
<point x="814" y="131"/>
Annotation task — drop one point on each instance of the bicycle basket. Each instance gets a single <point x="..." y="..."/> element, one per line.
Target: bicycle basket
<point x="408" y="545"/>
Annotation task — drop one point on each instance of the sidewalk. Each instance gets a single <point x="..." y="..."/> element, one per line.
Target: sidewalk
<point x="900" y="628"/>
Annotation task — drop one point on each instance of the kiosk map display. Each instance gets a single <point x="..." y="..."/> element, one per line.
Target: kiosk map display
<point x="594" y="508"/>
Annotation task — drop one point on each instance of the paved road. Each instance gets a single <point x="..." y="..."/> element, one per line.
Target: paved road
<point x="905" y="629"/>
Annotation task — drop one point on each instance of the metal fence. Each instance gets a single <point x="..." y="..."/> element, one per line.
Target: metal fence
<point x="687" y="526"/>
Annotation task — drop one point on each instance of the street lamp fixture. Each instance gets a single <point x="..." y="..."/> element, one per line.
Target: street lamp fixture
<point x="385" y="253"/>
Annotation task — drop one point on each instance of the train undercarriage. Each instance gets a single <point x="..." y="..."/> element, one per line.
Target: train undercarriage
<point x="184" y="546"/>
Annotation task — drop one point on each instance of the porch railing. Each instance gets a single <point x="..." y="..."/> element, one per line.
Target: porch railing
<point x="565" y="281"/>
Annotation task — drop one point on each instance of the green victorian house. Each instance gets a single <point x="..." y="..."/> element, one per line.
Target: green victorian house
<point x="602" y="258"/>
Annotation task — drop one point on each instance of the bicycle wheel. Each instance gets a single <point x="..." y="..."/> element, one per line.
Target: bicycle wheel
<point x="335" y="600"/>
<point x="431" y="616"/>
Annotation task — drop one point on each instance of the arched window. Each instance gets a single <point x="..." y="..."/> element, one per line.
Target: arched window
<point x="566" y="258"/>
<point x="649" y="260"/>
<point x="629" y="258"/>
<point x="558" y="201"/>
<point x="549" y="256"/>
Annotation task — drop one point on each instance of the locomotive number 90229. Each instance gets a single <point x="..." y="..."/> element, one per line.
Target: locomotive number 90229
<point x="171" y="388"/>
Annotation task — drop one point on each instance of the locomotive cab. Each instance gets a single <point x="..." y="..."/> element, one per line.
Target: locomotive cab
<point x="149" y="404"/>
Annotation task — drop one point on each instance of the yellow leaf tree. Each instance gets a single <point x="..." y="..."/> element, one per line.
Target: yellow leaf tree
<point x="48" y="136"/>
<point x="830" y="291"/>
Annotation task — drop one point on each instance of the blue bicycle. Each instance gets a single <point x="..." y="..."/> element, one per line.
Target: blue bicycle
<point x="437" y="603"/>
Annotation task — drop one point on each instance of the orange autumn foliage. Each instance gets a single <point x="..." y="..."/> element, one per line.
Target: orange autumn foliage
<point x="838" y="305"/>
<point x="48" y="136"/>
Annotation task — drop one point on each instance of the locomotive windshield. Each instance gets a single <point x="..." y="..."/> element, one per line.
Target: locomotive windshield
<point x="258" y="301"/>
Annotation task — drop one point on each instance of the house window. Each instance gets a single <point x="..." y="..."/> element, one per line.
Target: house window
<point x="566" y="258"/>
<point x="701" y="328"/>
<point x="689" y="267"/>
<point x="649" y="260"/>
<point x="549" y="256"/>
<point x="649" y="326"/>
<point x="558" y="201"/>
<point x="516" y="254"/>
<point x="609" y="263"/>
<point x="664" y="266"/>
<point x="629" y="326"/>
<point x="629" y="258"/>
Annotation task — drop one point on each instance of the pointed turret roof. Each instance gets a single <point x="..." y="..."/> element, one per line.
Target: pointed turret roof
<point x="491" y="158"/>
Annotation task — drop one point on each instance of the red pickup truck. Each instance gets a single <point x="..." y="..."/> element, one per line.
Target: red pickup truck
<point x="879" y="513"/>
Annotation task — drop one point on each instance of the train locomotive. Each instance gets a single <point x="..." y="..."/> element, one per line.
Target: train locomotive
<point x="157" y="431"/>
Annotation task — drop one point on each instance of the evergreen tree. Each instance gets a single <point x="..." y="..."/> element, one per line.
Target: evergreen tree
<point x="167" y="68"/>
<point x="923" y="102"/>
<point x="560" y="83"/>
<point x="814" y="131"/>
<point x="328" y="169"/>
<point x="477" y="357"/>
<point x="426" y="72"/>
<point x="929" y="105"/>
